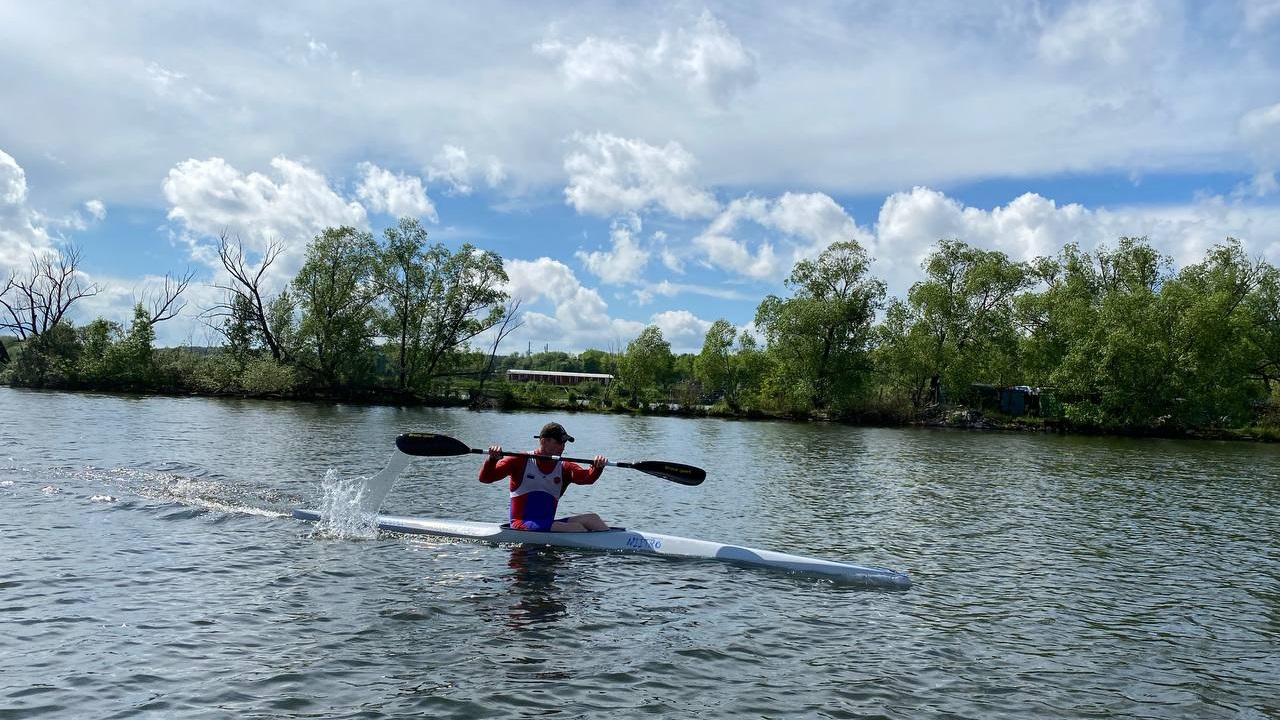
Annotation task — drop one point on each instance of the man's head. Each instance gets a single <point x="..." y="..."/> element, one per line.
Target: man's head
<point x="555" y="431"/>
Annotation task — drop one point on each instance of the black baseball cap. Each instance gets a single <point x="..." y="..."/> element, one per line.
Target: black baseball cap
<point x="555" y="431"/>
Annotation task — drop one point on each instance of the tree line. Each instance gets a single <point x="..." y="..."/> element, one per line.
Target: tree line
<point x="1118" y="338"/>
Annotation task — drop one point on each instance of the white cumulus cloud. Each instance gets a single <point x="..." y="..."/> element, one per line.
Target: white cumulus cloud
<point x="611" y="175"/>
<point x="177" y="88"/>
<point x="911" y="223"/>
<point x="26" y="233"/>
<point x="394" y="194"/>
<point x="624" y="263"/>
<point x="1110" y="32"/>
<point x="21" y="231"/>
<point x="595" y="60"/>
<point x="714" y="60"/>
<point x="681" y="328"/>
<point x="1260" y="132"/>
<point x="805" y="223"/>
<point x="13" y="183"/>
<point x="733" y="256"/>
<point x="580" y="317"/>
<point x="211" y="196"/>
<point x="707" y="60"/>
<point x="454" y="167"/>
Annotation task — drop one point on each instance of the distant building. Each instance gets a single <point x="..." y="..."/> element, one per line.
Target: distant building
<point x="557" y="378"/>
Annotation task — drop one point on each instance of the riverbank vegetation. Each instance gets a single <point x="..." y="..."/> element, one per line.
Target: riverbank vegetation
<point x="1109" y="341"/>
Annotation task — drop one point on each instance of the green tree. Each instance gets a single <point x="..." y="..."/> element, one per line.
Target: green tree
<point x="131" y="360"/>
<point x="402" y="277"/>
<point x="1134" y="368"/>
<point x="48" y="359"/>
<point x="1262" y="331"/>
<point x="246" y="292"/>
<point x="1059" y="316"/>
<point x="752" y="365"/>
<point x="464" y="298"/>
<point x="681" y="387"/>
<point x="598" y="361"/>
<point x="646" y="361"/>
<point x="819" y="338"/>
<point x="730" y="365"/>
<point x="904" y="355"/>
<point x="1210" y="348"/>
<point x="681" y="369"/>
<point x="336" y="293"/>
<point x="1102" y="331"/>
<point x="96" y="339"/>
<point x="713" y="367"/>
<point x="280" y="319"/>
<point x="554" y="361"/>
<point x="961" y="320"/>
<point x="241" y="331"/>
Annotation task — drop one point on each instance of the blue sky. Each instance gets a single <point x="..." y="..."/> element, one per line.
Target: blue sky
<point x="633" y="163"/>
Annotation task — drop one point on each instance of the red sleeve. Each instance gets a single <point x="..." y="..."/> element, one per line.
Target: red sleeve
<point x="579" y="475"/>
<point x="507" y="467"/>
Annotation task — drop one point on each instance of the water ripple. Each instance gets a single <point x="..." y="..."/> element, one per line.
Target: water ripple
<point x="1053" y="577"/>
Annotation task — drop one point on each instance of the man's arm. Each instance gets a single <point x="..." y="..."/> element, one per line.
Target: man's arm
<point x="579" y="475"/>
<point x="495" y="470"/>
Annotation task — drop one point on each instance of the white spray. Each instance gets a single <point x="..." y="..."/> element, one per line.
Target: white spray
<point x="342" y="508"/>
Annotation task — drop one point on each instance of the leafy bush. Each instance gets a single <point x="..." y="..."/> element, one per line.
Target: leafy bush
<point x="47" y="360"/>
<point x="1269" y="418"/>
<point x="721" y="409"/>
<point x="267" y="377"/>
<point x="216" y="373"/>
<point x="1084" y="415"/>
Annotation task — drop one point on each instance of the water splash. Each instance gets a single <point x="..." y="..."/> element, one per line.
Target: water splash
<point x="343" y="511"/>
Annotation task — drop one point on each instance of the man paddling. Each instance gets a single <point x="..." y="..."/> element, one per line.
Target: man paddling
<point x="537" y="484"/>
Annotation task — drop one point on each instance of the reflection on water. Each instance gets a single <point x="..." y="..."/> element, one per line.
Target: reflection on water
<point x="533" y="584"/>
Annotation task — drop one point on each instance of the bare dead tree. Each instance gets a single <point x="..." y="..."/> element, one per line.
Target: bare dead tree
<point x="508" y="325"/>
<point x="248" y="283"/>
<point x="167" y="303"/>
<point x="40" y="298"/>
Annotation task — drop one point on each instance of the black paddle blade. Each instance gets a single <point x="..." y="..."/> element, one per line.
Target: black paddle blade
<point x="675" y="472"/>
<point x="431" y="445"/>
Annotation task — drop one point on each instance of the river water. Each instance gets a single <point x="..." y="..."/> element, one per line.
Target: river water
<point x="148" y="568"/>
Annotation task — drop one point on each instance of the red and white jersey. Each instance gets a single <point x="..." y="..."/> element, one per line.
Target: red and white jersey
<point x="534" y="480"/>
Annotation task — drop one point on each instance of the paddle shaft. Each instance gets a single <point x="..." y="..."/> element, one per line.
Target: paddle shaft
<point x="478" y="451"/>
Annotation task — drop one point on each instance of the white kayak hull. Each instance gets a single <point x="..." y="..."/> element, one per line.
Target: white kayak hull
<point x="634" y="541"/>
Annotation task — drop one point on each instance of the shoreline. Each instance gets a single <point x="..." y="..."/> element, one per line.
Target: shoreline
<point x="952" y="418"/>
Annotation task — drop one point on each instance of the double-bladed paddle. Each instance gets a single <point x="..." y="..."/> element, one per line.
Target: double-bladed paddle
<point x="432" y="445"/>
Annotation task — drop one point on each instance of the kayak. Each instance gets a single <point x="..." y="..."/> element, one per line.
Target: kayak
<point x="635" y="541"/>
